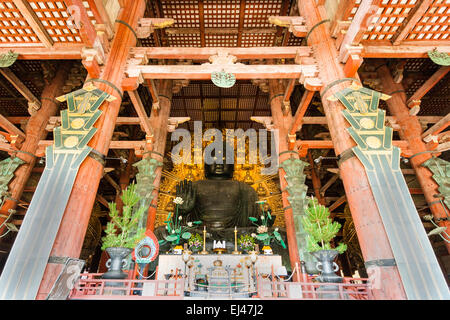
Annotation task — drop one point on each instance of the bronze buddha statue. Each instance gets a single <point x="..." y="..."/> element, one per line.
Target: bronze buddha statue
<point x="221" y="204"/>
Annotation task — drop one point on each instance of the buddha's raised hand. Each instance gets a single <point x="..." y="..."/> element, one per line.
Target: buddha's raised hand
<point x="186" y="191"/>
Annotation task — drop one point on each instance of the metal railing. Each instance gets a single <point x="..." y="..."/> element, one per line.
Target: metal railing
<point x="90" y="287"/>
<point x="229" y="291"/>
<point x="268" y="287"/>
<point x="349" y="289"/>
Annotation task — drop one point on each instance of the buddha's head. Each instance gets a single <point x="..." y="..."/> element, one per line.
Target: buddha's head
<point x="219" y="169"/>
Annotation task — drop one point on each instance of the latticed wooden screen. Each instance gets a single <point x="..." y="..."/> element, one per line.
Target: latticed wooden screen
<point x="55" y="19"/>
<point x="214" y="18"/>
<point x="13" y="26"/>
<point x="434" y="24"/>
<point x="54" y="16"/>
<point x="233" y="107"/>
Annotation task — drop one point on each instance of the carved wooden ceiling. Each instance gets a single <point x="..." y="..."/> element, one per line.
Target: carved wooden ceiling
<point x="222" y="23"/>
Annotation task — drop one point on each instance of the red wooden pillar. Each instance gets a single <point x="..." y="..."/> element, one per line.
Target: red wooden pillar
<point x="159" y="122"/>
<point x="372" y="236"/>
<point x="283" y="123"/>
<point x="411" y="131"/>
<point x="35" y="131"/>
<point x="315" y="179"/>
<point x="74" y="224"/>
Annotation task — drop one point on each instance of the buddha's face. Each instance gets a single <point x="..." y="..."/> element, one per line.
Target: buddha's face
<point x="219" y="171"/>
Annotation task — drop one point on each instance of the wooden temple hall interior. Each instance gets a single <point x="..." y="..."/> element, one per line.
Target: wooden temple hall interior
<point x="96" y="97"/>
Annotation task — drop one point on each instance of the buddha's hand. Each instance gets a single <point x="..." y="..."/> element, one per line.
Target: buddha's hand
<point x="185" y="191"/>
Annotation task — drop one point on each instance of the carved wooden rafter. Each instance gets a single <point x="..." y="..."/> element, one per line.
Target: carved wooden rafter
<point x="146" y="26"/>
<point x="34" y="103"/>
<point x="296" y="25"/>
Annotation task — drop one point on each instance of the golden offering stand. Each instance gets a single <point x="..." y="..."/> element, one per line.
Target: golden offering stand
<point x="204" y="242"/>
<point x="220" y="250"/>
<point x="235" y="242"/>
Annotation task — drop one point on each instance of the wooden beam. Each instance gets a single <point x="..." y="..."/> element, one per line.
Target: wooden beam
<point x="352" y="65"/>
<point x="343" y="12"/>
<point x="289" y="90"/>
<point x="114" y="145"/>
<point x="140" y="110"/>
<point x="218" y="31"/>
<point x="191" y="53"/>
<point x="22" y="88"/>
<point x="153" y="92"/>
<point x="102" y="200"/>
<point x="201" y="12"/>
<point x="402" y="51"/>
<point x="240" y="29"/>
<point x="57" y="52"/>
<point x="295" y="24"/>
<point x="328" y="184"/>
<point x="85" y="27"/>
<point x="411" y="21"/>
<point x="112" y="183"/>
<point x="308" y="144"/>
<point x="301" y="110"/>
<point x="135" y="120"/>
<point x="103" y="14"/>
<point x="328" y="144"/>
<point x="360" y="23"/>
<point x="442" y="147"/>
<point x="10" y="128"/>
<point x="438" y="127"/>
<point x="203" y="72"/>
<point x="6" y="147"/>
<point x="429" y="84"/>
<point x="34" y="22"/>
<point x="336" y="204"/>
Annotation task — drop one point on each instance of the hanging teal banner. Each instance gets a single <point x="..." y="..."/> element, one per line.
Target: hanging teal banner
<point x="414" y="256"/>
<point x="28" y="258"/>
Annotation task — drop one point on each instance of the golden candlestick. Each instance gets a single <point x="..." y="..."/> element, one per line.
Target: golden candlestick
<point x="204" y="241"/>
<point x="235" y="242"/>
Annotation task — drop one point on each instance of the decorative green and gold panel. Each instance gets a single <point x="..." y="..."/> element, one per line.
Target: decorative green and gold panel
<point x="25" y="266"/>
<point x="8" y="59"/>
<point x="420" y="272"/>
<point x="296" y="187"/>
<point x="7" y="168"/>
<point x="144" y="184"/>
<point x="441" y="174"/>
<point x="440" y="58"/>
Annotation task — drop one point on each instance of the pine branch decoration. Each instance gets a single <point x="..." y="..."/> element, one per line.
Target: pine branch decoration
<point x="123" y="231"/>
<point x="321" y="230"/>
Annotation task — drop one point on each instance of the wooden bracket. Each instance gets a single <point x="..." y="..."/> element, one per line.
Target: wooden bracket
<point x="92" y="59"/>
<point x="437" y="128"/>
<point x="292" y="141"/>
<point x="174" y="122"/>
<point x="414" y="107"/>
<point x="289" y="90"/>
<point x="349" y="50"/>
<point x="154" y="93"/>
<point x="146" y="26"/>
<point x="313" y="84"/>
<point x="339" y="31"/>
<point x="267" y="122"/>
<point x="352" y="65"/>
<point x="296" y="25"/>
<point x="286" y="108"/>
<point x="131" y="84"/>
